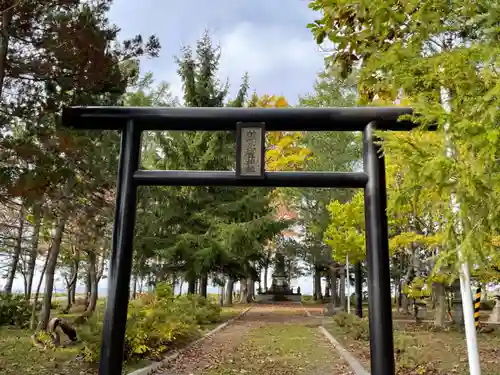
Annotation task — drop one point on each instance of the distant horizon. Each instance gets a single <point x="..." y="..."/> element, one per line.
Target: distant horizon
<point x="102" y="291"/>
<point x="304" y="282"/>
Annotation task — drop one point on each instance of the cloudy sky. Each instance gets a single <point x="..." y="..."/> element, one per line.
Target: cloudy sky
<point x="267" y="39"/>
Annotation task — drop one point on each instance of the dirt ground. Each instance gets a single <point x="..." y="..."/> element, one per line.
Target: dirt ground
<point x="274" y="339"/>
<point x="423" y="349"/>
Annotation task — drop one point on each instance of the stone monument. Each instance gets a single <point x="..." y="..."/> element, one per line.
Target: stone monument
<point x="279" y="290"/>
<point x="495" y="314"/>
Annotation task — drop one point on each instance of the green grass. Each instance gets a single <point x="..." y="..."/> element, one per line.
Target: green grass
<point x="18" y="355"/>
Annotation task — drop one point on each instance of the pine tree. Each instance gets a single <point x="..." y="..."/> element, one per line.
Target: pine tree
<point x="212" y="230"/>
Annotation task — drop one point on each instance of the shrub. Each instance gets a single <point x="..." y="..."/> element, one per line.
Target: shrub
<point x="354" y="326"/>
<point x="14" y="310"/>
<point x="156" y="323"/>
<point x="200" y="308"/>
<point x="90" y="333"/>
<point x="411" y="357"/>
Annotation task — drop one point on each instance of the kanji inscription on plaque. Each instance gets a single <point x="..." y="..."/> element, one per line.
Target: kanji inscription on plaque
<point x="251" y="153"/>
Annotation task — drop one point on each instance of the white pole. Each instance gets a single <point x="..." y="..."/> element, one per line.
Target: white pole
<point x="348" y="285"/>
<point x="465" y="289"/>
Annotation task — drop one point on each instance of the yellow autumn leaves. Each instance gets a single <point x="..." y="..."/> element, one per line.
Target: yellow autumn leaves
<point x="285" y="151"/>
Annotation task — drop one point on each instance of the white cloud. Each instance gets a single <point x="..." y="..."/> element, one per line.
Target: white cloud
<point x="264" y="50"/>
<point x="267" y="39"/>
<point x="277" y="62"/>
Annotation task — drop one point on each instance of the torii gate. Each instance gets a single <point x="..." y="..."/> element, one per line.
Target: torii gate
<point x="250" y="125"/>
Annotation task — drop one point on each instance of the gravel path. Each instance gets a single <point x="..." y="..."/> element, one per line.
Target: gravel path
<point x="267" y="340"/>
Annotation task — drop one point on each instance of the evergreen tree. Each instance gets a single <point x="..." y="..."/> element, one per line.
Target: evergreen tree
<point x="211" y="230"/>
<point x="52" y="54"/>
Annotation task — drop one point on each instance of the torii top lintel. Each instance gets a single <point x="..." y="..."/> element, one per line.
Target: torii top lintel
<point x="226" y="118"/>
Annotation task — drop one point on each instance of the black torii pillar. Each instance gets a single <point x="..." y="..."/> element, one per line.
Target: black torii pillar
<point x="377" y="255"/>
<point x="133" y="121"/>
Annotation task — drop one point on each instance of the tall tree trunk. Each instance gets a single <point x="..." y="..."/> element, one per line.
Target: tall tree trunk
<point x="37" y="217"/>
<point x="405" y="303"/>
<point x="416" y="272"/>
<point x="228" y="299"/>
<point x="88" y="287"/>
<point x="343" y="303"/>
<point x="400" y="295"/>
<point x="204" y="285"/>
<point x="37" y="292"/>
<point x="174" y="282"/>
<point x="317" y="284"/>
<point x="25" y="284"/>
<point x="358" y="287"/>
<point x="289" y="272"/>
<point x="100" y="273"/>
<point x="91" y="255"/>
<point x="73" y="293"/>
<point x="266" y="272"/>
<point x="17" y="252"/>
<point x="335" y="287"/>
<point x="53" y="255"/>
<point x="441" y="305"/>
<point x="243" y="290"/>
<point x="259" y="282"/>
<point x="314" y="289"/>
<point x="400" y="282"/>
<point x="71" y="282"/>
<point x="221" y="295"/>
<point x="251" y="290"/>
<point x="191" y="285"/>
<point x="181" y="285"/>
<point x="328" y="287"/>
<point x="134" y="287"/>
<point x="4" y="40"/>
